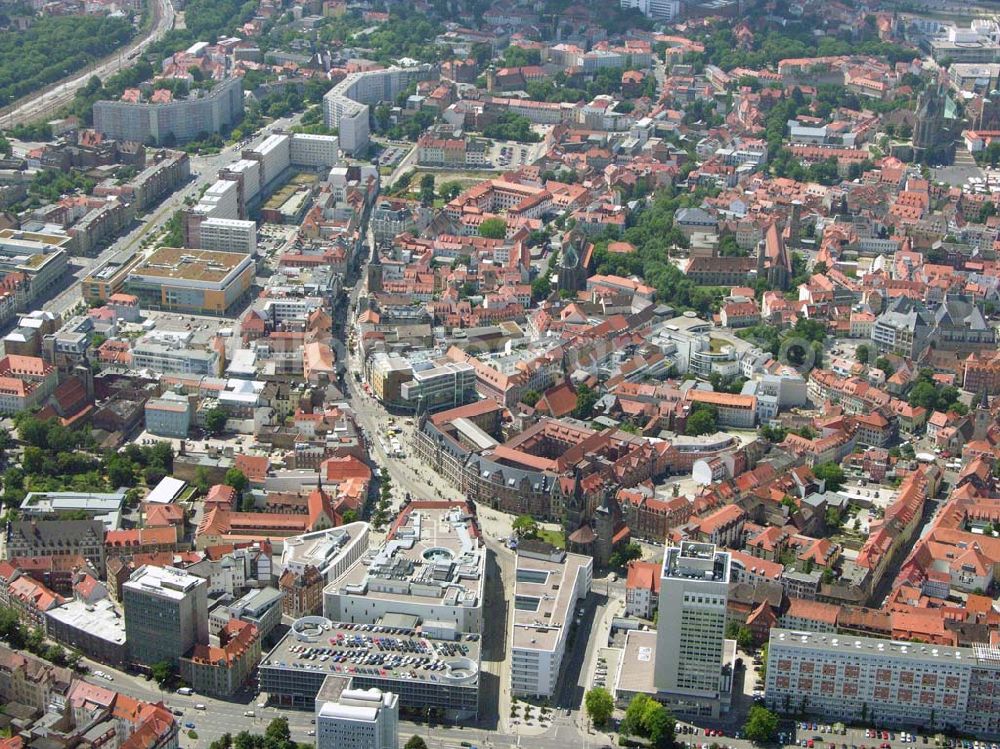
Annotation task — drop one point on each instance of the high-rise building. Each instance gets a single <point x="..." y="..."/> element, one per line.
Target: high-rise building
<point x="166" y="614"/>
<point x="345" y="106"/>
<point x="348" y="718"/>
<point x="658" y="10"/>
<point x="170" y="119"/>
<point x="691" y="669"/>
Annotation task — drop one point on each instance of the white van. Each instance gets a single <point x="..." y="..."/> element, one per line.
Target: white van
<point x="185" y="690"/>
<point x="199" y="706"/>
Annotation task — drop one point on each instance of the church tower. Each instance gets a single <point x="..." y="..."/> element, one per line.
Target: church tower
<point x="374" y="272"/>
<point x="982" y="418"/>
<point x="572" y="271"/>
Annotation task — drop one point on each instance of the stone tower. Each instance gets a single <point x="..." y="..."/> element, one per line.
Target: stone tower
<point x="982" y="418"/>
<point x="929" y="130"/>
<point x="374" y="272"/>
<point x="572" y="272"/>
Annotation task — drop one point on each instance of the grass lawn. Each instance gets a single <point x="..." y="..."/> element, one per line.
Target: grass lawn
<point x="552" y="537"/>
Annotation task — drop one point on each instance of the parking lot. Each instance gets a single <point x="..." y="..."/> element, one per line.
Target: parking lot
<point x="391" y="155"/>
<point x="510" y="154"/>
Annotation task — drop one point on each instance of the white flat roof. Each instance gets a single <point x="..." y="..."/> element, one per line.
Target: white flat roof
<point x="166" y="491"/>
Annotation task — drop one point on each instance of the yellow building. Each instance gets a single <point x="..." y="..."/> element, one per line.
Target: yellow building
<point x="206" y="282"/>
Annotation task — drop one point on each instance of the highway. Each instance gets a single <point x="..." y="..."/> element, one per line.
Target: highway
<point x="42" y="105"/>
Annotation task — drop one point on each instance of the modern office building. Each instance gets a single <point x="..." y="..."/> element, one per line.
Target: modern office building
<point x="658" y="10"/>
<point x="314" y="151"/>
<point x="690" y="672"/>
<point x="204" y="282"/>
<point x="169" y="416"/>
<point x="431" y="567"/>
<point x="109" y="278"/>
<point x="103" y="506"/>
<point x="42" y="258"/>
<point x="442" y="675"/>
<point x="351" y="718"/>
<point x="548" y="584"/>
<point x="260" y="607"/>
<point x="166" y="614"/>
<point x="885" y="682"/>
<point x="228" y="235"/>
<point x="174" y="356"/>
<point x="332" y="551"/>
<point x="179" y="120"/>
<point x="447" y="385"/>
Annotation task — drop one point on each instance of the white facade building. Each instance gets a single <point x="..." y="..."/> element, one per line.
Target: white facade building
<point x="431" y="567"/>
<point x="885" y="682"/>
<point x="274" y="155"/>
<point x="359" y="719"/>
<point x="315" y="151"/>
<point x="229" y="235"/>
<point x="345" y="106"/>
<point x="658" y="10"/>
<point x="547" y="588"/>
<point x="332" y="551"/>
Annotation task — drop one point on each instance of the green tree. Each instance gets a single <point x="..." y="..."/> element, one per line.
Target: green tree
<point x="741" y="633"/>
<point x="659" y="725"/>
<point x="201" y="479"/>
<point x="586" y="399"/>
<point x="450" y="190"/>
<point x="830" y="472"/>
<point x="215" y="420"/>
<point x="885" y="365"/>
<point x="646" y="717"/>
<point x="761" y="725"/>
<point x="729" y="248"/>
<point x="415" y="742"/>
<point x="773" y="434"/>
<point x="862" y="353"/>
<point x="236" y="479"/>
<point x="427" y="190"/>
<point x="703" y="419"/>
<point x="162" y="672"/>
<point x="120" y="471"/>
<point x="623" y="556"/>
<point x="154" y="474"/>
<point x="278" y="735"/>
<point x="525" y="526"/>
<point x="599" y="705"/>
<point x="541" y="287"/>
<point x="493" y="228"/>
<point x="632" y="724"/>
<point x="530" y="398"/>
